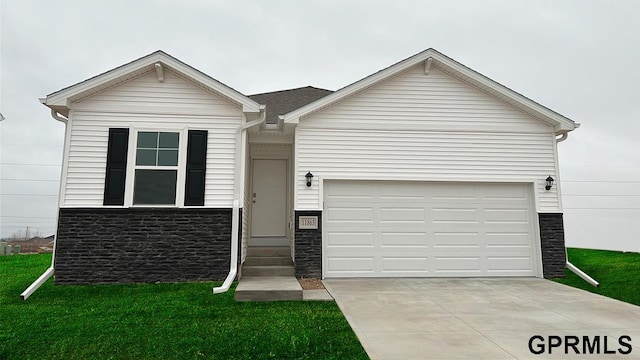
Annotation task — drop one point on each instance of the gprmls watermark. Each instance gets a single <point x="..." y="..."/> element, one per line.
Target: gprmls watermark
<point x="588" y="345"/>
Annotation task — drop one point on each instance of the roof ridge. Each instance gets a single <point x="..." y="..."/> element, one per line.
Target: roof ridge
<point x="292" y="89"/>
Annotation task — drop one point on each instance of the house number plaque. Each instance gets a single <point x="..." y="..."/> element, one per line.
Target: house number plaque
<point x="308" y="222"/>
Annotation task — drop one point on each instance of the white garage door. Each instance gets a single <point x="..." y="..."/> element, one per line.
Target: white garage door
<point x="417" y="229"/>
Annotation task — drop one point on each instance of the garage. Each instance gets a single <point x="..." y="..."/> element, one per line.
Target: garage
<point x="428" y="229"/>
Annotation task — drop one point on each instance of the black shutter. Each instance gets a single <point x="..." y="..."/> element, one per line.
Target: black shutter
<point x="196" y="168"/>
<point x="116" y="173"/>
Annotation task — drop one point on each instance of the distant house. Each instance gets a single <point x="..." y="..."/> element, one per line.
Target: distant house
<point x="423" y="169"/>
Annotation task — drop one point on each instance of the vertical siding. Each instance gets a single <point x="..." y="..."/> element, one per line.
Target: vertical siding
<point x="146" y="103"/>
<point x="424" y="128"/>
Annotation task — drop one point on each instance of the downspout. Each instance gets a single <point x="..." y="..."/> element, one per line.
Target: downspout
<point x="574" y="269"/>
<point x="235" y="217"/>
<point x="47" y="273"/>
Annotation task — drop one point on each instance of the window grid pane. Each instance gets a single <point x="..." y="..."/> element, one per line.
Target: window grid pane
<point x="155" y="186"/>
<point x="146" y="157"/>
<point x="167" y="157"/>
<point x="147" y="140"/>
<point x="168" y="140"/>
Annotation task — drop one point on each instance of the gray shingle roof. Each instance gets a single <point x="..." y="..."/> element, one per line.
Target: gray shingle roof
<point x="284" y="101"/>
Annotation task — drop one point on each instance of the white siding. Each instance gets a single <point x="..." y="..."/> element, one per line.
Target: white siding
<point x="427" y="128"/>
<point x="146" y="95"/>
<point x="147" y="103"/>
<point x="415" y="101"/>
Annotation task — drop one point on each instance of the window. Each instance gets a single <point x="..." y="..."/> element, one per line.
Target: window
<point x="158" y="174"/>
<point x="156" y="169"/>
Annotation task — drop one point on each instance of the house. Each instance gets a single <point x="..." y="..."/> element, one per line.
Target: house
<point x="423" y="169"/>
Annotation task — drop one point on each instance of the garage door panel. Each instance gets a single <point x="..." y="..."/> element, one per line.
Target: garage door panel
<point x="508" y="239"/>
<point x="428" y="229"/>
<point x="402" y="215"/>
<point x="353" y="253"/>
<point x="440" y="228"/>
<point x="405" y="265"/>
<point x="405" y="199"/>
<point x="335" y="239"/>
<point x="453" y="192"/>
<point x="350" y="214"/>
<point x="509" y="264"/>
<point x="505" y="229"/>
<point x="458" y="265"/>
<point x="403" y="239"/>
<point x="456" y="239"/>
<point x="455" y="215"/>
<point x="453" y="198"/>
<point x="346" y="266"/>
<point x="403" y="251"/>
<point x="506" y="215"/>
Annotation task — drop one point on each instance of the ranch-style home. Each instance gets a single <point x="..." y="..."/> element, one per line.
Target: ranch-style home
<point x="423" y="169"/>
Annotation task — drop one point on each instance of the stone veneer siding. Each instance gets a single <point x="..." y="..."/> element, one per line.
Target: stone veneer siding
<point x="308" y="247"/>
<point x="97" y="245"/>
<point x="552" y="244"/>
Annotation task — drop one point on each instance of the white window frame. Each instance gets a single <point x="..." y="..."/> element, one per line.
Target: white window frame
<point x="132" y="167"/>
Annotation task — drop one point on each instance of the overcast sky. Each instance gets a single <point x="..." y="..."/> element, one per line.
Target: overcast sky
<point x="579" y="58"/>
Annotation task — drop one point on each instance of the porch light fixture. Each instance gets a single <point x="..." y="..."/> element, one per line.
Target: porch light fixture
<point x="309" y="176"/>
<point x="549" y="183"/>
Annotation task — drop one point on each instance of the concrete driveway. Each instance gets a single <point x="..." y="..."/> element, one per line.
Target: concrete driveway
<point x="485" y="319"/>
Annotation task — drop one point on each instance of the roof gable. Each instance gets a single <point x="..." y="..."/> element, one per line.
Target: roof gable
<point x="61" y="99"/>
<point x="431" y="58"/>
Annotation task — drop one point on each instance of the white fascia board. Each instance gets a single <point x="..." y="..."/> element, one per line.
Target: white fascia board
<point x="559" y="122"/>
<point x="61" y="97"/>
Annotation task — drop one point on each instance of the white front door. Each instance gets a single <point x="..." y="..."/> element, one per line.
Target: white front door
<point x="269" y="198"/>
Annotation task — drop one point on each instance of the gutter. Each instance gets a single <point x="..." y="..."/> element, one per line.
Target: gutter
<point x="235" y="217"/>
<point x="574" y="269"/>
<point x="49" y="272"/>
<point x="581" y="274"/>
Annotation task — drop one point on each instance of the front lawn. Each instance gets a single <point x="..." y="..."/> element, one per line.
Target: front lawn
<point x="618" y="273"/>
<point x="159" y="321"/>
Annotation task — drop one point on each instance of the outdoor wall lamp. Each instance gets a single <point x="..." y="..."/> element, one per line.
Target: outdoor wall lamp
<point x="549" y="183"/>
<point x="309" y="176"/>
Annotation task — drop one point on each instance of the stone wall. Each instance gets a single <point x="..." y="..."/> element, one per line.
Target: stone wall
<point x="308" y="247"/>
<point x="552" y="244"/>
<point x="97" y="245"/>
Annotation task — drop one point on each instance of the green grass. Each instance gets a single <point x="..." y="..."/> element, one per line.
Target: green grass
<point x="159" y="321"/>
<point x="618" y="273"/>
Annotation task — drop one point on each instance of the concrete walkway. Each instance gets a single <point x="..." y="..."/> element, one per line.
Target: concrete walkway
<point x="483" y="319"/>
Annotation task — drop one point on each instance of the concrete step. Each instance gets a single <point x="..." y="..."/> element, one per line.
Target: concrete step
<point x="254" y="251"/>
<point x="270" y="270"/>
<point x="269" y="241"/>
<point x="268" y="260"/>
<point x="268" y="288"/>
